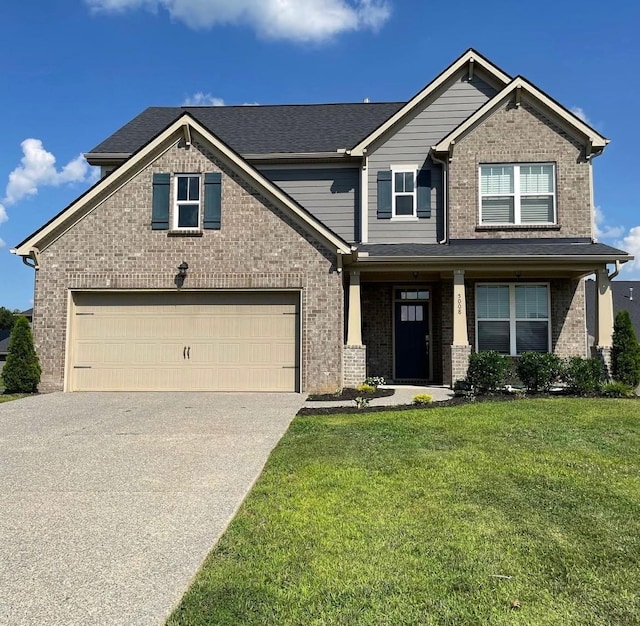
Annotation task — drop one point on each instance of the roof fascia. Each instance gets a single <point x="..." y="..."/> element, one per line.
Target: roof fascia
<point x="162" y="142"/>
<point x="470" y="56"/>
<point x="507" y="259"/>
<point x="594" y="141"/>
<point x="106" y="158"/>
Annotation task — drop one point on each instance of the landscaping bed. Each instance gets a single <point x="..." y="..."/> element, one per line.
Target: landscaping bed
<point x="349" y="393"/>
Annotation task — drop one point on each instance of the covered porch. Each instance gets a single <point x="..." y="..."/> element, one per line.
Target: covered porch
<point x="416" y="320"/>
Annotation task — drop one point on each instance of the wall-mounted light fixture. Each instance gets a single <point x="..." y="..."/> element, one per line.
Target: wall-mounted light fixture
<point x="182" y="269"/>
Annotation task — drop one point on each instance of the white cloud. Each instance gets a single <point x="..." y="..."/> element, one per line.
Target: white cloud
<point x="203" y="99"/>
<point x="2" y="244"/>
<point x="631" y="244"/>
<point x="38" y="169"/>
<point x="579" y="112"/>
<point x="603" y="230"/>
<point x="294" y="20"/>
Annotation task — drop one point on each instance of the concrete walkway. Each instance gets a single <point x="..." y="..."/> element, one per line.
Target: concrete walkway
<point x="110" y="502"/>
<point x="404" y="394"/>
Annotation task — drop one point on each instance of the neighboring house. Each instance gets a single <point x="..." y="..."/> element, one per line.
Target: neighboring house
<point x="303" y="247"/>
<point x="5" y="335"/>
<point x="626" y="297"/>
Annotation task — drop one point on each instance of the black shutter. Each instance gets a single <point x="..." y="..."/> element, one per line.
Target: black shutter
<point x="212" y="200"/>
<point x="384" y="195"/>
<point x="424" y="193"/>
<point x="160" y="207"/>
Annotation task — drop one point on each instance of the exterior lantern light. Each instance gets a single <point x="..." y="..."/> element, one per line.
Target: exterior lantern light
<point x="182" y="269"/>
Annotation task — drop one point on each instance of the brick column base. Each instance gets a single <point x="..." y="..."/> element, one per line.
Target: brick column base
<point x="604" y="354"/>
<point x="456" y="364"/>
<point x="354" y="365"/>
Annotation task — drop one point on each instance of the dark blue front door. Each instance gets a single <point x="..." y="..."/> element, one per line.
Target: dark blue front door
<point x="411" y="340"/>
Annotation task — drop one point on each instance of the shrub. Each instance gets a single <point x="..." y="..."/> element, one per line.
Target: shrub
<point x="487" y="370"/>
<point x="374" y="381"/>
<point x="538" y="370"/>
<point x="584" y="376"/>
<point x="617" y="389"/>
<point x="21" y="372"/>
<point x="7" y="319"/>
<point x="362" y="402"/>
<point x="625" y="351"/>
<point x="422" y="398"/>
<point x="365" y="388"/>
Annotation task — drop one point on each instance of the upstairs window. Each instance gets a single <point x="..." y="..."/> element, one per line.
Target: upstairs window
<point x="404" y="193"/>
<point x="186" y="211"/>
<point x="518" y="194"/>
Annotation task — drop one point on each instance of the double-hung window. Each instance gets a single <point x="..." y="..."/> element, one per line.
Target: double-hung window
<point x="404" y="193"/>
<point x="186" y="208"/>
<point x="517" y="194"/>
<point x="512" y="318"/>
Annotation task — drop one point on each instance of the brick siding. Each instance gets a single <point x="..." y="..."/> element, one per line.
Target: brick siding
<point x="258" y="247"/>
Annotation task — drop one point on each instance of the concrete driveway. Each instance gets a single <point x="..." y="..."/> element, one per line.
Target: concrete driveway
<point x="109" y="502"/>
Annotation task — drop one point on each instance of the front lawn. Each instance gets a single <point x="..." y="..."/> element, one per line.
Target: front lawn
<point x="440" y="516"/>
<point x="7" y="397"/>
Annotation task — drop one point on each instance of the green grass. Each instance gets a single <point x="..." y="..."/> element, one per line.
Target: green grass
<point x="438" y="516"/>
<point x="7" y="397"/>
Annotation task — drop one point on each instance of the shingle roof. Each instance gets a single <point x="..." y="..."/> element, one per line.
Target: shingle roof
<point x="5" y="335"/>
<point x="262" y="129"/>
<point x="626" y="296"/>
<point x="495" y="248"/>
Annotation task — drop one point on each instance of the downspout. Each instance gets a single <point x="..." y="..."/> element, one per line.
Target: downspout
<point x="445" y="195"/>
<point x="615" y="272"/>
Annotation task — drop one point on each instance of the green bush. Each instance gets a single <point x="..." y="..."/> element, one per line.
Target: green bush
<point x="617" y="389"/>
<point x="422" y="398"/>
<point x="625" y="351"/>
<point x="487" y="370"/>
<point x="374" y="381"/>
<point x="538" y="370"/>
<point x="21" y="372"/>
<point x="584" y="376"/>
<point x="7" y="319"/>
<point x="364" y="388"/>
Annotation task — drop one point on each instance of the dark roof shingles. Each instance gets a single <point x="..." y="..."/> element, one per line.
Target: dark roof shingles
<point x="262" y="129"/>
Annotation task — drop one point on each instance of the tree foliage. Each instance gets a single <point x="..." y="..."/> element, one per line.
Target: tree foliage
<point x="21" y="373"/>
<point x="7" y="319"/>
<point x="625" y="351"/>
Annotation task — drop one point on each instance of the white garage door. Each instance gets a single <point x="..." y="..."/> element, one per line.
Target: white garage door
<point x="184" y="341"/>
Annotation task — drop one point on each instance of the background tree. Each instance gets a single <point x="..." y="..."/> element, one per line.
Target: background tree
<point x="625" y="351"/>
<point x="21" y="373"/>
<point x="7" y="319"/>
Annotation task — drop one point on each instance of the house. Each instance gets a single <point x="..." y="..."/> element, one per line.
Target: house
<point x="5" y="336"/>
<point x="303" y="247"/>
<point x="626" y="297"/>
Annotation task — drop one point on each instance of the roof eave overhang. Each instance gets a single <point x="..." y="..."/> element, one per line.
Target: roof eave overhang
<point x="106" y="158"/>
<point x="505" y="259"/>
<point x="162" y="142"/>
<point x="593" y="141"/>
<point x="469" y="58"/>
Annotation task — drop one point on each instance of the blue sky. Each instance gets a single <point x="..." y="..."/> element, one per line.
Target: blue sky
<point x="74" y="71"/>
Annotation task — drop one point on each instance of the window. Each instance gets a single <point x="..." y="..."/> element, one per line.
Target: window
<point x="404" y="193"/>
<point x="513" y="318"/>
<point x="517" y="194"/>
<point x="186" y="214"/>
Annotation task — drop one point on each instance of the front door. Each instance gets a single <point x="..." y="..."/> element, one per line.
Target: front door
<point x="411" y="313"/>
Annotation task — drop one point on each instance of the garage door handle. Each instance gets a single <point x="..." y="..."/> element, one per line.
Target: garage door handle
<point x="184" y="352"/>
<point x="189" y="352"/>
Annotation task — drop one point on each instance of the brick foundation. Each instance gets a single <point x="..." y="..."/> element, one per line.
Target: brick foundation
<point x="604" y="354"/>
<point x="354" y="365"/>
<point x="458" y="361"/>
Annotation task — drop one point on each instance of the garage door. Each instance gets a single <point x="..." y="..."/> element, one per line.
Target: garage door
<point x="184" y="341"/>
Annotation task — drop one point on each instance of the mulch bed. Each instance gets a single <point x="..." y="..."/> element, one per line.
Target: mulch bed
<point x="349" y="393"/>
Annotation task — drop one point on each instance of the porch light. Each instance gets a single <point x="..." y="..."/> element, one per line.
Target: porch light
<point x="182" y="269"/>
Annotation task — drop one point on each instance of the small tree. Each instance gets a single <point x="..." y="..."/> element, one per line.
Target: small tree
<point x="7" y="319"/>
<point x="625" y="352"/>
<point x="21" y="373"/>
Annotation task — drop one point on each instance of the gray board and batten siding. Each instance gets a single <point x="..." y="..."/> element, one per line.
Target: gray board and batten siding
<point x="330" y="194"/>
<point x="410" y="143"/>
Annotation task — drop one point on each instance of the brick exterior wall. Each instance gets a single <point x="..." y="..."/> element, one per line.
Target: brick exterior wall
<point x="354" y="365"/>
<point x="258" y="247"/>
<point x="377" y="328"/>
<point x="459" y="364"/>
<point x="511" y="135"/>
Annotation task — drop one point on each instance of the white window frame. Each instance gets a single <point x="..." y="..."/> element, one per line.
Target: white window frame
<point x="517" y="195"/>
<point x="177" y="204"/>
<point x="512" y="314"/>
<point x="404" y="169"/>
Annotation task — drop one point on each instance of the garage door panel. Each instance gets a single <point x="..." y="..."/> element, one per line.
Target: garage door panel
<point x="185" y="341"/>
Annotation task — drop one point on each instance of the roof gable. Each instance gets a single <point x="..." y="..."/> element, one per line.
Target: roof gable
<point x="593" y="141"/>
<point x="185" y="126"/>
<point x="471" y="59"/>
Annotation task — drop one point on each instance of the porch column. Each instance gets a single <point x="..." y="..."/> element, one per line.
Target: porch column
<point x="460" y="332"/>
<point x="456" y="361"/>
<point x="354" y="325"/>
<point x="604" y="310"/>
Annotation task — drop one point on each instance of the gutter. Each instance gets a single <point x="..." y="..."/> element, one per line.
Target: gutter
<point x="529" y="259"/>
